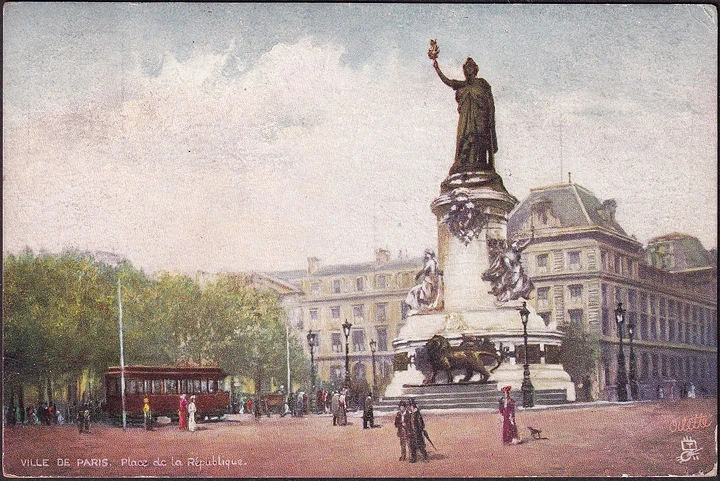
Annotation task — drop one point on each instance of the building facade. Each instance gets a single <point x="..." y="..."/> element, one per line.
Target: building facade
<point x="583" y="263"/>
<point x="369" y="296"/>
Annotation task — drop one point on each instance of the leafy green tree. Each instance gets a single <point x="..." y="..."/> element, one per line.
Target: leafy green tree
<point x="579" y="353"/>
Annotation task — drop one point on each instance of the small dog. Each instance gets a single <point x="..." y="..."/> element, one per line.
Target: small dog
<point x="535" y="433"/>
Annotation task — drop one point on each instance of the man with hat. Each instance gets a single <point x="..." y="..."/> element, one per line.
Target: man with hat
<point x="507" y="412"/>
<point x="416" y="433"/>
<point x="402" y="423"/>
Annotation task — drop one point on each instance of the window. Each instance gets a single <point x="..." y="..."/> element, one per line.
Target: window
<point x="336" y="339"/>
<point x="381" y="310"/>
<point x="358" y="311"/>
<point x="359" y="284"/>
<point x="574" y="260"/>
<point x="358" y="340"/>
<point x="382" y="282"/>
<point x="382" y="344"/>
<point x="616" y="264"/>
<point x="335" y="312"/>
<point x="653" y="328"/>
<point x="337" y="374"/>
<point x="576" y="291"/>
<point x="157" y="386"/>
<point x="336" y="286"/>
<point x="313" y="314"/>
<point x="576" y="316"/>
<point x="605" y="322"/>
<point x="545" y="317"/>
<point x="603" y="260"/>
<point x="315" y="288"/>
<point x="170" y="386"/>
<point x="542" y="262"/>
<point x="542" y="297"/>
<point x="643" y="334"/>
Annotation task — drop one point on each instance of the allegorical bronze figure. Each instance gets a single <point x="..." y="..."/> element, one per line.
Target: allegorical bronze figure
<point x="476" y="139"/>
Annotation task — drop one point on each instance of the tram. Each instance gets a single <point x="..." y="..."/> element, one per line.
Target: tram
<point x="163" y="385"/>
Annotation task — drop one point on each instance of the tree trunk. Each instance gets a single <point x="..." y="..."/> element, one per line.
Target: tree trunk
<point x="21" y="402"/>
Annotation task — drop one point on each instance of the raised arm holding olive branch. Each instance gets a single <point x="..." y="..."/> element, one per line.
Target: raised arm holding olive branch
<point x="476" y="138"/>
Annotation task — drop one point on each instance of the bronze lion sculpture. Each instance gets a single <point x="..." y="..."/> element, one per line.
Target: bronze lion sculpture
<point x="469" y="355"/>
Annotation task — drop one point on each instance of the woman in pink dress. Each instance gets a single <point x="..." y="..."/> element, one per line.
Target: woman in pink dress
<point x="182" y="412"/>
<point x="507" y="411"/>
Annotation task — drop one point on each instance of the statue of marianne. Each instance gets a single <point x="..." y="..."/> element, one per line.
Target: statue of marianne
<point x="476" y="139"/>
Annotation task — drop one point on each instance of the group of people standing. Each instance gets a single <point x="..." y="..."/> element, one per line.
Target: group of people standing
<point x="411" y="430"/>
<point x="186" y="413"/>
<point x="338" y="406"/>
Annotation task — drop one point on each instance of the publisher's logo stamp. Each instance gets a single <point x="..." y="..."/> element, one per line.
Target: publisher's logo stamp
<point x="690" y="450"/>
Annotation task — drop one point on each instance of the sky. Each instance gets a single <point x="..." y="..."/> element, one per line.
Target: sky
<point x="234" y="137"/>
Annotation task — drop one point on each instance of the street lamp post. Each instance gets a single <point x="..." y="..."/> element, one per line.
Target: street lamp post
<point x="621" y="375"/>
<point x="373" y="347"/>
<point x="634" y="388"/>
<point x="311" y="342"/>
<point x="346" y="330"/>
<point x="527" y="388"/>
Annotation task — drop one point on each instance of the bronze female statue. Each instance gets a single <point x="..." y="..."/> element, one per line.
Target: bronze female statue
<point x="476" y="139"/>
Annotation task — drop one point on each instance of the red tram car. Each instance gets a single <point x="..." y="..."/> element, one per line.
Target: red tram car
<point x="163" y="385"/>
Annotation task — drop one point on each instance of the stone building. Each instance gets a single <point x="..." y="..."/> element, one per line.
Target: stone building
<point x="583" y="263"/>
<point x="368" y="295"/>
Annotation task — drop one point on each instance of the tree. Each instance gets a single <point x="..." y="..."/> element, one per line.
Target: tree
<point x="579" y="353"/>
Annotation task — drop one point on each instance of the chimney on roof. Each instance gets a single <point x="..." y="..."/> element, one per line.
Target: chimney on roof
<point x="382" y="256"/>
<point x="609" y="207"/>
<point x="313" y="264"/>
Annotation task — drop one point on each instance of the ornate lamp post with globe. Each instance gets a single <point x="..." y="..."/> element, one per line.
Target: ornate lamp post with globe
<point x="346" y="330"/>
<point x="527" y="388"/>
<point x="621" y="375"/>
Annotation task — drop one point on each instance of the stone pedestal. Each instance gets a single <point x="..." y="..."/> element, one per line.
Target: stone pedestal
<point x="472" y="211"/>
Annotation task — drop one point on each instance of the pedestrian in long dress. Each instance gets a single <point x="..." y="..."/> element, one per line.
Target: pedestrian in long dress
<point x="147" y="414"/>
<point x="507" y="412"/>
<point x="191" y="414"/>
<point x="182" y="412"/>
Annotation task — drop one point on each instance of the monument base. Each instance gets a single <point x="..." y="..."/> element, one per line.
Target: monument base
<point x="501" y="326"/>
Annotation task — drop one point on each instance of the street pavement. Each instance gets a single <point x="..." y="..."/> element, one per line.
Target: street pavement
<point x="654" y="438"/>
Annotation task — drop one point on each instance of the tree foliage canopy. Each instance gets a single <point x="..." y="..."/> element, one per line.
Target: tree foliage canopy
<point x="60" y="319"/>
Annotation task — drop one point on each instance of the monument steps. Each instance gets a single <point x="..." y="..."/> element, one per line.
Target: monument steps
<point x="464" y="396"/>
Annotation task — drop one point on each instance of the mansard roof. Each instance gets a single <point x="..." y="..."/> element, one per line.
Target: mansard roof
<point x="354" y="269"/>
<point x="678" y="252"/>
<point x="565" y="206"/>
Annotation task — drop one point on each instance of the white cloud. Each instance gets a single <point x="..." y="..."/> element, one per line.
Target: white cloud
<point x="209" y="164"/>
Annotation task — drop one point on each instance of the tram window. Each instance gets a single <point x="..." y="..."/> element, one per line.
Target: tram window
<point x="196" y="385"/>
<point x="157" y="386"/>
<point x="185" y="386"/>
<point x="113" y="387"/>
<point x="147" y="386"/>
<point x="220" y="385"/>
<point x="132" y="386"/>
<point x="204" y="385"/>
<point x="211" y="385"/>
<point x="170" y="386"/>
